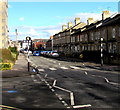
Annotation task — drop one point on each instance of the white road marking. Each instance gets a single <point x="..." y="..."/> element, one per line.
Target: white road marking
<point x="46" y="75"/>
<point x="32" y="76"/>
<point x="81" y="106"/>
<point x="106" y="80"/>
<point x="59" y="64"/>
<point x="50" y="87"/>
<point x="63" y="67"/>
<point x="41" y="70"/>
<point x="72" y="98"/>
<point x="52" y="69"/>
<point x="35" y="80"/>
<point x="62" y="89"/>
<point x="86" y="73"/>
<point x="52" y="90"/>
<point x="54" y="83"/>
<point x="74" y="67"/>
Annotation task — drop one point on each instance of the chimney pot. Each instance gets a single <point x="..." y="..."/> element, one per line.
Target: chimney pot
<point x="64" y="27"/>
<point x="89" y="21"/>
<point x="105" y="14"/>
<point x="77" y="20"/>
<point x="69" y="24"/>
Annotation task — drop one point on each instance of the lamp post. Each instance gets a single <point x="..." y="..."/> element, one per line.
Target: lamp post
<point x="16" y="37"/>
<point x="28" y="39"/>
<point x="101" y="49"/>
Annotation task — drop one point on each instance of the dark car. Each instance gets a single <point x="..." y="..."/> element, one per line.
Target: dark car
<point x="36" y="53"/>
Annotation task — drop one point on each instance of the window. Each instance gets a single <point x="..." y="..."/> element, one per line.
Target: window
<point x="86" y="37"/>
<point x="81" y="37"/>
<point x="110" y="48"/>
<point x="119" y="31"/>
<point x="88" y="46"/>
<point x="82" y="47"/>
<point x="103" y="33"/>
<point x="113" y="33"/>
<point x="85" y="47"/>
<point x="78" y="38"/>
<point x="92" y="47"/>
<point x="96" y="35"/>
<point x="78" y="47"/>
<point x="91" y="36"/>
<point x="114" y="48"/>
<point x="75" y="48"/>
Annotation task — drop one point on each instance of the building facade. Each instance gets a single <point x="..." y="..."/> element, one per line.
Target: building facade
<point x="85" y="39"/>
<point x="3" y="24"/>
<point x="39" y="43"/>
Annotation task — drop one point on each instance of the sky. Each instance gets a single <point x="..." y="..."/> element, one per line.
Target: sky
<point x="44" y="19"/>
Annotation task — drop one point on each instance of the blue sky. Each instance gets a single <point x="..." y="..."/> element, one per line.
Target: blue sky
<point x="44" y="19"/>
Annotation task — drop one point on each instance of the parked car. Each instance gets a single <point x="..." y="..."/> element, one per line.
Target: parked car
<point x="36" y="53"/>
<point x="54" y="54"/>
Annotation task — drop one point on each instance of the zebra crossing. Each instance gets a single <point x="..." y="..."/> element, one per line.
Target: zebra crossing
<point x="55" y="69"/>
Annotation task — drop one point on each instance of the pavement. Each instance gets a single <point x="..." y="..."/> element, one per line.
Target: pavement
<point x="20" y="91"/>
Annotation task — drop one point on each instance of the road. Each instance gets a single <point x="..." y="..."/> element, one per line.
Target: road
<point x="77" y="87"/>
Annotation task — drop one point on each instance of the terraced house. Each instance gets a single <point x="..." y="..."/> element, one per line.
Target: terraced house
<point x="3" y="24"/>
<point x="85" y="39"/>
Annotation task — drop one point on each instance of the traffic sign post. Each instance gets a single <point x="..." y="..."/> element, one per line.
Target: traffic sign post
<point x="28" y="39"/>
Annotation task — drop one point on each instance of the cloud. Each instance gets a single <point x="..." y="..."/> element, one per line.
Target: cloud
<point x="33" y="32"/>
<point x="21" y="18"/>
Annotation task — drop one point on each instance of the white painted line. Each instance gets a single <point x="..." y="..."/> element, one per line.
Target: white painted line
<point x="46" y="75"/>
<point x="86" y="73"/>
<point x="52" y="90"/>
<point x="35" y="80"/>
<point x="60" y="98"/>
<point x="68" y="107"/>
<point x="32" y="76"/>
<point x="41" y="70"/>
<point x="63" y="67"/>
<point x="106" y="80"/>
<point x="52" y="69"/>
<point x="48" y="84"/>
<point x="54" y="83"/>
<point x="74" y="67"/>
<point x="50" y="87"/>
<point x="65" y="104"/>
<point x="81" y="106"/>
<point x="62" y="89"/>
<point x="72" y="98"/>
<point x="56" y="94"/>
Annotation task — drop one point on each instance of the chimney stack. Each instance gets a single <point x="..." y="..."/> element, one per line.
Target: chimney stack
<point x="77" y="20"/>
<point x="89" y="21"/>
<point x="64" y="27"/>
<point x="69" y="24"/>
<point x="105" y="14"/>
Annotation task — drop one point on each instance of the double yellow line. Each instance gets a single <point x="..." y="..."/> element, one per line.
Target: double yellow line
<point x="4" y="107"/>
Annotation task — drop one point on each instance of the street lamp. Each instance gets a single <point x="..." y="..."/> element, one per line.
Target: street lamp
<point x="101" y="49"/>
<point x="28" y="39"/>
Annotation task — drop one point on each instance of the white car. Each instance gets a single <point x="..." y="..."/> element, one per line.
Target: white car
<point x="54" y="54"/>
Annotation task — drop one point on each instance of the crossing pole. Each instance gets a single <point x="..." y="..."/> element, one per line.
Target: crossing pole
<point x="28" y="39"/>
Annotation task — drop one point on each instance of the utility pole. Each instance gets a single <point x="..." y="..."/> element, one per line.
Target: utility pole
<point x="101" y="51"/>
<point x="16" y="37"/>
